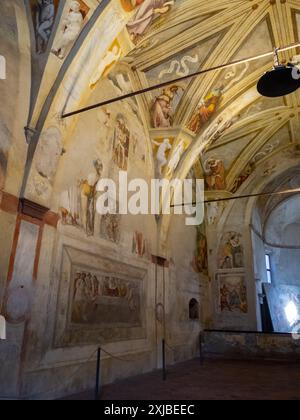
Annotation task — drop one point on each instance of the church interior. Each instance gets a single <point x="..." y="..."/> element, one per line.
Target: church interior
<point x="104" y="93"/>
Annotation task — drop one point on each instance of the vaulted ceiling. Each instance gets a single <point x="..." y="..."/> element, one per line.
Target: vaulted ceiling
<point x="226" y="130"/>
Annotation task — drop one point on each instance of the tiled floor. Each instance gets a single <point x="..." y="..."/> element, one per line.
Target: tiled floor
<point x="216" y="380"/>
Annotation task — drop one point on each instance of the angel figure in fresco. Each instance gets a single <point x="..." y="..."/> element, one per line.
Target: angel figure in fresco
<point x="106" y="62"/>
<point x="147" y="12"/>
<point x="161" y="158"/>
<point x="72" y="26"/>
<point x="121" y="143"/>
<point x="44" y="23"/>
<point x="88" y="198"/>
<point x="162" y="108"/>
<point x="215" y="174"/>
<point x="175" y="159"/>
<point x="206" y="109"/>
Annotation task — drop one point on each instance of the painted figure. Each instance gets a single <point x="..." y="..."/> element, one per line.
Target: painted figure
<point x="147" y="12"/>
<point x="200" y="264"/>
<point x="161" y="158"/>
<point x="72" y="27"/>
<point x="232" y="253"/>
<point x="121" y="143"/>
<point x="110" y="227"/>
<point x="162" y="108"/>
<point x="214" y="211"/>
<point x="242" y="178"/>
<point x="233" y="295"/>
<point x="88" y="198"/>
<point x="215" y="174"/>
<point x="139" y="244"/>
<point x="44" y="23"/>
<point x="80" y="300"/>
<point x="130" y="5"/>
<point x="205" y="111"/>
<point x="224" y="299"/>
<point x="175" y="159"/>
<point x="106" y="62"/>
<point x="99" y="299"/>
<point x="70" y="206"/>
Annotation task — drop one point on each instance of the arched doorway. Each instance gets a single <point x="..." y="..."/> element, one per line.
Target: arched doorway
<point x="276" y="252"/>
<point x="193" y="310"/>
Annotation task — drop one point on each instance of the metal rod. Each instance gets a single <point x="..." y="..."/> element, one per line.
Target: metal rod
<point x="98" y="371"/>
<point x="217" y="200"/>
<point x="164" y="360"/>
<point x="180" y="79"/>
<point x="201" y="349"/>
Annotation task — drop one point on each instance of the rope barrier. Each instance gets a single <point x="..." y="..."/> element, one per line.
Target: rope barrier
<point x="75" y="373"/>
<point x="120" y="358"/>
<point x="171" y="348"/>
<point x="66" y="384"/>
<point x="36" y="395"/>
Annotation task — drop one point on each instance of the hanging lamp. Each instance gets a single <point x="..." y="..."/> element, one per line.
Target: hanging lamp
<point x="280" y="81"/>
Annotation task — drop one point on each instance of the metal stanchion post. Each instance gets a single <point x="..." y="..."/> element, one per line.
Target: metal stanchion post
<point x="201" y="349"/>
<point x="98" y="372"/>
<point x="164" y="360"/>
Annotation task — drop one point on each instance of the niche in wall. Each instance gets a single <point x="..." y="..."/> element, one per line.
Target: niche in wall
<point x="193" y="310"/>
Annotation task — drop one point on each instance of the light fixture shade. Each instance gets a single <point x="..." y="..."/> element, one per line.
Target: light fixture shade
<point x="280" y="81"/>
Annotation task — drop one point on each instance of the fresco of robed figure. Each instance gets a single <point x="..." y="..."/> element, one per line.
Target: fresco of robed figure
<point x="146" y="13"/>
<point x="43" y="16"/>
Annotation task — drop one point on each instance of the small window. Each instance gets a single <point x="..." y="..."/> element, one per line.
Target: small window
<point x="269" y="268"/>
<point x="194" y="309"/>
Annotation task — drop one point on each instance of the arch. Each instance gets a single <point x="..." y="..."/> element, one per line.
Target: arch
<point x="15" y="94"/>
<point x="55" y="88"/>
<point x="283" y="222"/>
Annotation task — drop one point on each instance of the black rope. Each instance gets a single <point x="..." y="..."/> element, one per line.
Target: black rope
<point x="217" y="200"/>
<point x="36" y="395"/>
<point x="177" y="80"/>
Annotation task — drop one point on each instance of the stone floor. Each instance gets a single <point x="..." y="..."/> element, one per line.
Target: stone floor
<point x="216" y="380"/>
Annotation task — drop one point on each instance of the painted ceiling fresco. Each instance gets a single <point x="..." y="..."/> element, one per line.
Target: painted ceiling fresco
<point x="215" y="122"/>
